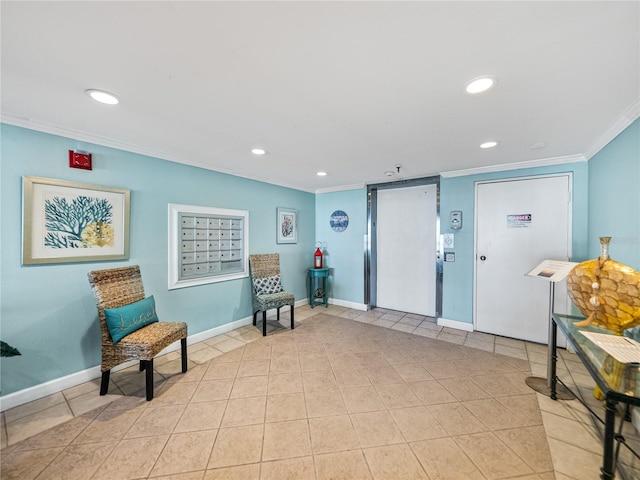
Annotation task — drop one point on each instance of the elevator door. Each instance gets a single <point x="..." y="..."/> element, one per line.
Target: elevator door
<point x="407" y="249"/>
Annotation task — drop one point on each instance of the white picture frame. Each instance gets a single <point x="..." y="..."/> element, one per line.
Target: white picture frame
<point x="286" y="225"/>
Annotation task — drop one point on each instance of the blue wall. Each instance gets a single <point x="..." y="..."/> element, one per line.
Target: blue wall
<point x="458" y="193"/>
<point x="48" y="311"/>
<point x="606" y="201"/>
<point x="345" y="249"/>
<point x="614" y="197"/>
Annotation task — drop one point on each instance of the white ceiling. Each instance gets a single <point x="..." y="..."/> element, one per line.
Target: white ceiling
<point x="352" y="88"/>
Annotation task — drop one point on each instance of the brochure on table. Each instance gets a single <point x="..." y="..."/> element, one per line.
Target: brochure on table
<point x="552" y="270"/>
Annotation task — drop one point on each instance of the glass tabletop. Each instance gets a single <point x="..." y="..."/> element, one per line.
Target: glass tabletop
<point x="617" y="380"/>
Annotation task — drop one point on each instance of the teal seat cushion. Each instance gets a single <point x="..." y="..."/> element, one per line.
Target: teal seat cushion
<point x="124" y="320"/>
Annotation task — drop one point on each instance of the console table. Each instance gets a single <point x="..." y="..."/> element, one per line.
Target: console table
<point x="626" y="391"/>
<point x="317" y="283"/>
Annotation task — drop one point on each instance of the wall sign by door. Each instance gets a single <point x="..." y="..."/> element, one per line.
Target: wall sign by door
<point x="339" y="221"/>
<point x="519" y="220"/>
<point x="207" y="245"/>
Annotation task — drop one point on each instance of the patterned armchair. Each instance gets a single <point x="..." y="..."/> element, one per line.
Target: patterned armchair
<point x="266" y="289"/>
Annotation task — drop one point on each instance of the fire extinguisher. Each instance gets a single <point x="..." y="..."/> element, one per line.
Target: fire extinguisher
<point x="317" y="257"/>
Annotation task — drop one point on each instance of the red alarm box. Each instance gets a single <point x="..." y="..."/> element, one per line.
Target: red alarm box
<point x="80" y="160"/>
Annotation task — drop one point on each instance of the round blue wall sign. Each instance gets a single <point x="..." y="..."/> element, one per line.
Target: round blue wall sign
<point x="339" y="221"/>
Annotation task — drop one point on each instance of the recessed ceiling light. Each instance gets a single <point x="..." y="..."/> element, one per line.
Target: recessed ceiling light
<point x="103" y="97"/>
<point x="488" y="144"/>
<point x="480" y="84"/>
<point x="258" y="151"/>
<point x="537" y="146"/>
<point x="322" y="174"/>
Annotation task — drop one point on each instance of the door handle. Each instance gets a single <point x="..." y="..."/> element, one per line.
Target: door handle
<point x="483" y="258"/>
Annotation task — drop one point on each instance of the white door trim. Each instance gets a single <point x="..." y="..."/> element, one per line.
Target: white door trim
<point x="370" y="240"/>
<point x="475" y="227"/>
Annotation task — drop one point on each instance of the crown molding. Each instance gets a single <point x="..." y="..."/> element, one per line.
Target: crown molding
<point x="354" y="186"/>
<point x="81" y="136"/>
<point x="630" y="115"/>
<point x="543" y="162"/>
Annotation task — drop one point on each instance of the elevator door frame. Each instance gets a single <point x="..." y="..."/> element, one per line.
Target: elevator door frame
<point x="370" y="254"/>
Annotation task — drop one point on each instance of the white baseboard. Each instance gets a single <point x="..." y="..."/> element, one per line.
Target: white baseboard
<point x="345" y="303"/>
<point x="48" y="388"/>
<point x="458" y="325"/>
<point x="57" y="385"/>
<point x="213" y="332"/>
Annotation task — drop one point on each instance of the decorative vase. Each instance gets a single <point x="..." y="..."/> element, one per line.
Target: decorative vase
<point x="606" y="292"/>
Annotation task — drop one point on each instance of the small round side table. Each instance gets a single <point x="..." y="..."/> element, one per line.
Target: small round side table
<point x="317" y="280"/>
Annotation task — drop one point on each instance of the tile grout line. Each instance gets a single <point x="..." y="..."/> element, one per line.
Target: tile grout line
<point x="304" y="394"/>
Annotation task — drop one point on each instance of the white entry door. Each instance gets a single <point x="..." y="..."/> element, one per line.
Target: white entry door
<point x="519" y="223"/>
<point x="407" y="249"/>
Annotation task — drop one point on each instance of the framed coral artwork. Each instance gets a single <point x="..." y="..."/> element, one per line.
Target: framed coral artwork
<point x="65" y="222"/>
<point x="287" y="225"/>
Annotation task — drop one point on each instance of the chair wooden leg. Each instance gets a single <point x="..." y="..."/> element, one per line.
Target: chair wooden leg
<point x="264" y="323"/>
<point x="278" y="314"/>
<point x="142" y="365"/>
<point x="104" y="384"/>
<point x="183" y="351"/>
<point x="149" y="375"/>
<point x="291" y="307"/>
<point x="255" y="315"/>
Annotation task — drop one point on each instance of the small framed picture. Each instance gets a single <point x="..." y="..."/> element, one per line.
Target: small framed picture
<point x="65" y="222"/>
<point x="287" y="225"/>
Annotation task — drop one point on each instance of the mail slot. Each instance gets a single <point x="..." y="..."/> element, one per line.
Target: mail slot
<point x="188" y="270"/>
<point x="188" y="258"/>
<point x="210" y="244"/>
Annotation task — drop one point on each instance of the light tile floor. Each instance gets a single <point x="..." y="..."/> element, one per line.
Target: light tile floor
<point x="330" y="399"/>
